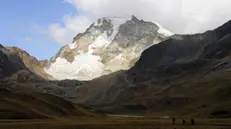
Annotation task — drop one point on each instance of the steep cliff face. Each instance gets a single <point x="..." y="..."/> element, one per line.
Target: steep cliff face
<point x="10" y="63"/>
<point x="108" y="45"/>
<point x="17" y="64"/>
<point x="30" y="62"/>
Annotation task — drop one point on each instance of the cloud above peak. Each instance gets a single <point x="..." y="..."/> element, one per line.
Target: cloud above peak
<point x="178" y="16"/>
<point x="63" y="32"/>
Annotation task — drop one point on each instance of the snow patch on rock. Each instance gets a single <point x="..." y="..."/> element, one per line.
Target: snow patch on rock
<point x="163" y="31"/>
<point x="84" y="67"/>
<point x="73" y="46"/>
<point x="116" y="22"/>
<point x="100" y="41"/>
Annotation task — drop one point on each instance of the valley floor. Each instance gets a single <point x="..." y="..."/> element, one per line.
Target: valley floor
<point x="113" y="122"/>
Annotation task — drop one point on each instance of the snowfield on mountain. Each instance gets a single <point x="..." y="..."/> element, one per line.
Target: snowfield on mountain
<point x="108" y="45"/>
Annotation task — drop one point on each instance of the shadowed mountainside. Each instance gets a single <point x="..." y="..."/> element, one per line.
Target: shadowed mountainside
<point x="184" y="72"/>
<point x="30" y="105"/>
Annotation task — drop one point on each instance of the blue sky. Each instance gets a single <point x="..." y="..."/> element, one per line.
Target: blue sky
<point x="18" y="24"/>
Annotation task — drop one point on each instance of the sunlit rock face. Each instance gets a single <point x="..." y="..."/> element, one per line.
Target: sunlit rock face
<point x="108" y="45"/>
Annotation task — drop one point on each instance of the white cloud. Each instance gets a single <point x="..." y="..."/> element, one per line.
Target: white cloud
<point x="71" y="26"/>
<point x="64" y="32"/>
<point x="179" y="16"/>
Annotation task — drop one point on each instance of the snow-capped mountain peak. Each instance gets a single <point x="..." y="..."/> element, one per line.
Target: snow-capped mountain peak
<point x="108" y="45"/>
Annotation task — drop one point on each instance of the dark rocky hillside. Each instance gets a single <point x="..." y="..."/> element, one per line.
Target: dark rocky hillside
<point x="187" y="72"/>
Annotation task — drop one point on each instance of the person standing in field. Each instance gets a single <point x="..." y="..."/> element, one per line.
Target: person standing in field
<point x="173" y="120"/>
<point x="193" y="121"/>
<point x="183" y="122"/>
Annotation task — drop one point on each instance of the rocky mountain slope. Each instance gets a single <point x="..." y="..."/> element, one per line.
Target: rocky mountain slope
<point x="31" y="62"/>
<point x="189" y="72"/>
<point x="16" y="63"/>
<point x="9" y="63"/>
<point x="108" y="45"/>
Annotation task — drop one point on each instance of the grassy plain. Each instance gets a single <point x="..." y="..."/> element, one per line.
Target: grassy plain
<point x="113" y="122"/>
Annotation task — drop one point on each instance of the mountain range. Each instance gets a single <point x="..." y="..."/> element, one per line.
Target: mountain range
<point x="132" y="66"/>
<point x="108" y="45"/>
